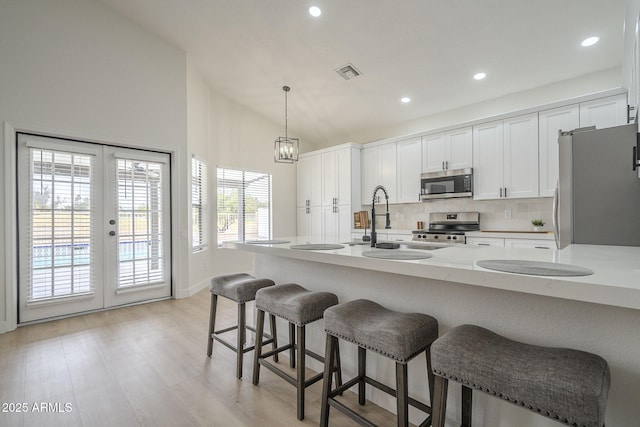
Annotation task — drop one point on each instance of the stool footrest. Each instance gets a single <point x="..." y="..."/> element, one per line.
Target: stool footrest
<point x="348" y="412"/>
<point x="290" y="379"/>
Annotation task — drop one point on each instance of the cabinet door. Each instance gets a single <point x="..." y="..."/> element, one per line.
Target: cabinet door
<point x="387" y="162"/>
<point x="370" y="173"/>
<point x="433" y="152"/>
<point x="521" y="156"/>
<point x="459" y="143"/>
<point x="485" y="241"/>
<point x="345" y="173"/>
<point x="409" y="165"/>
<point x="329" y="178"/>
<point x="309" y="171"/>
<point x="330" y="224"/>
<point x="549" y="123"/>
<point x="303" y="219"/>
<point x="488" y="162"/>
<point x="533" y="244"/>
<point x="309" y="222"/>
<point x="605" y="112"/>
<point x="345" y="222"/>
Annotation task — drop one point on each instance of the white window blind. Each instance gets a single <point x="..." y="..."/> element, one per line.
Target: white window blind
<point x="244" y="205"/>
<point x="199" y="205"/>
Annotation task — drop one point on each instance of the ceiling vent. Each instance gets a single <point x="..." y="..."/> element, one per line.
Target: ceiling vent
<point x="348" y="72"/>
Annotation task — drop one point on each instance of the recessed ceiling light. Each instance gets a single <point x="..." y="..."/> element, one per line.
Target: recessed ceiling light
<point x="590" y="41"/>
<point x="405" y="99"/>
<point x="479" y="76"/>
<point x="315" y="11"/>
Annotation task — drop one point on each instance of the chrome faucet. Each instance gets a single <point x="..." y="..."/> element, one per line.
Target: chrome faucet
<point x="373" y="214"/>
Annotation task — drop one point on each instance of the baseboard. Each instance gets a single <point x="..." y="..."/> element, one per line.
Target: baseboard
<point x="192" y="290"/>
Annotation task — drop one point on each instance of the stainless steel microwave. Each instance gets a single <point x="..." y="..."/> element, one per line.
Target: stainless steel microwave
<point x="446" y="184"/>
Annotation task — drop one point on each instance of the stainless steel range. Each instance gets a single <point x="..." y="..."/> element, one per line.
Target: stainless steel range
<point x="448" y="227"/>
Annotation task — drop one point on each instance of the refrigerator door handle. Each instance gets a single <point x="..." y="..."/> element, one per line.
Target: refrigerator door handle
<point x="635" y="157"/>
<point x="555" y="217"/>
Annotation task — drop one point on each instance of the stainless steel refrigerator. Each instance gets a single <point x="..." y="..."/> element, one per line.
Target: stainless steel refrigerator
<point x="598" y="195"/>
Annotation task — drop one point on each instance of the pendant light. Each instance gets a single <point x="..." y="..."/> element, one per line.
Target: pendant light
<point x="286" y="149"/>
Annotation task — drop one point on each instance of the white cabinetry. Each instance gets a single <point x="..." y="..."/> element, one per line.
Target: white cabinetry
<point x="605" y="112"/>
<point x="550" y="122"/>
<point x="511" y="243"/>
<point x="485" y="241"/>
<point x="529" y="243"/>
<point x="408" y="166"/>
<point x="379" y="168"/>
<point x="447" y="150"/>
<point x="505" y="158"/>
<point x="330" y="177"/>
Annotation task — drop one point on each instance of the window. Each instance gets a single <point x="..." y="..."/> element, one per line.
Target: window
<point x="244" y="205"/>
<point x="199" y="206"/>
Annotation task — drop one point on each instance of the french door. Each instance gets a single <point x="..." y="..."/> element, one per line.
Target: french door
<point x="93" y="224"/>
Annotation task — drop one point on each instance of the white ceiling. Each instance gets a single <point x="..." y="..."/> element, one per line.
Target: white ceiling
<point x="425" y="49"/>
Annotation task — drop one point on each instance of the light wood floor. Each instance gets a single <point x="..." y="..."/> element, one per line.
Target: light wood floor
<point x="146" y="365"/>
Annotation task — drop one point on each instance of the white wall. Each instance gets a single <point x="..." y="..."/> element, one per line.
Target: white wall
<point x="244" y="140"/>
<point x="77" y="69"/>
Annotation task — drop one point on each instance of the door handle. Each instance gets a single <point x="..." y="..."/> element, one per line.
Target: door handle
<point x="112" y="221"/>
<point x="505" y="191"/>
<point x="500" y="191"/>
<point x="112" y="233"/>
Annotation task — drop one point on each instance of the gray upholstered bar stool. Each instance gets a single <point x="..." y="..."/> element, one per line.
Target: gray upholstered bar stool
<point x="240" y="288"/>
<point x="569" y="386"/>
<point x="299" y="307"/>
<point x="399" y="336"/>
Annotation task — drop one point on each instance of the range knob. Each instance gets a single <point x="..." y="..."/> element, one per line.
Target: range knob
<point x="454" y="238"/>
<point x="436" y="237"/>
<point x="448" y="237"/>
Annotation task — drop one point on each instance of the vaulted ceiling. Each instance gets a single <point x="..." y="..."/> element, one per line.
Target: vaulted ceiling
<point x="427" y="50"/>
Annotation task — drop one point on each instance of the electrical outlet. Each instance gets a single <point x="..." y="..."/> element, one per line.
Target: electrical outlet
<point x="507" y="214"/>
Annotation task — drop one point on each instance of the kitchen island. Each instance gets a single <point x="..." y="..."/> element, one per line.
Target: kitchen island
<point x="599" y="313"/>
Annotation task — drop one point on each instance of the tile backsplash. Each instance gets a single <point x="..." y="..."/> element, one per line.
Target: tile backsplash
<point x="493" y="213"/>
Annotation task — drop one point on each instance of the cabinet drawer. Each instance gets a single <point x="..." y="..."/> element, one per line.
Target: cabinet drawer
<point x="485" y="241"/>
<point x="533" y="244"/>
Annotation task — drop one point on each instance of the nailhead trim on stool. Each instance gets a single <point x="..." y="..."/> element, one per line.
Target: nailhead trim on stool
<point x="399" y="336"/>
<point x="240" y="288"/>
<point x="299" y="307"/>
<point x="569" y="386"/>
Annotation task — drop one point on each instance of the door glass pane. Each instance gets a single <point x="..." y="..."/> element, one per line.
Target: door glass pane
<point x="140" y="237"/>
<point x="61" y="225"/>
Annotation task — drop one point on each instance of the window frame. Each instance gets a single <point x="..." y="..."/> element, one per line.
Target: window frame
<point x="199" y="190"/>
<point x="242" y="184"/>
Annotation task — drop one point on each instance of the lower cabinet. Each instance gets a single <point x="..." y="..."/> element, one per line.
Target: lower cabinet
<point x="511" y="243"/>
<point x="485" y="241"/>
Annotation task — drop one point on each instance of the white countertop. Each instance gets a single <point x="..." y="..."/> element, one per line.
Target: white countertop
<point x="616" y="280"/>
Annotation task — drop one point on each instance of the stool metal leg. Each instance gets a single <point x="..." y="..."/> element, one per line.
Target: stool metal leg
<point x="331" y="344"/>
<point x="402" y="397"/>
<point x="467" y="404"/>
<point x="362" y="372"/>
<point x="212" y="323"/>
<point x="301" y="345"/>
<point x="439" y="406"/>
<point x="242" y="332"/>
<point x="257" y="352"/>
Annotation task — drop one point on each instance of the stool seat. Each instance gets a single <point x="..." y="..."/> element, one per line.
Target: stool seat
<point x="294" y="303"/>
<point x="567" y="385"/>
<point x="400" y="336"/>
<point x="239" y="287"/>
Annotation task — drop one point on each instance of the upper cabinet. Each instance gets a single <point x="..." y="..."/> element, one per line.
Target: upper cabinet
<point x="408" y="165"/>
<point x="605" y="112"/>
<point x="601" y="113"/>
<point x="505" y="158"/>
<point x="379" y="168"/>
<point x="550" y="122"/>
<point x="447" y="150"/>
<point x="309" y="170"/>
